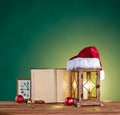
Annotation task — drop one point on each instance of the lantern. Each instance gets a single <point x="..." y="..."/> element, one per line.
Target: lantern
<point x="85" y="69"/>
<point x="85" y="87"/>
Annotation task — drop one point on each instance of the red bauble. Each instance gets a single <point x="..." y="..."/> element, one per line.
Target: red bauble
<point x="19" y="99"/>
<point x="69" y="101"/>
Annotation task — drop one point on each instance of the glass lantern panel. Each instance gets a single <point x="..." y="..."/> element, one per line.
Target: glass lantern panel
<point x="75" y="84"/>
<point x="89" y="85"/>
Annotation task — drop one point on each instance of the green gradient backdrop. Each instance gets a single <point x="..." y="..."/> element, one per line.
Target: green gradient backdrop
<point x="46" y="33"/>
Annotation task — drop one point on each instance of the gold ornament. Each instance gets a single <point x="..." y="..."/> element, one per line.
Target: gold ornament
<point x="30" y="101"/>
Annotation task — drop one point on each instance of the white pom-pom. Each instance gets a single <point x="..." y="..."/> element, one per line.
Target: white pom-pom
<point x="102" y="75"/>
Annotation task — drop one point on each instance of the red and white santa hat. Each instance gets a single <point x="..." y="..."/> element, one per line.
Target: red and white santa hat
<point x="87" y="58"/>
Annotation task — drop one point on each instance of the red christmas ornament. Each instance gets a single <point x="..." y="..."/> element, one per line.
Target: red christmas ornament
<point x="19" y="99"/>
<point x="69" y="101"/>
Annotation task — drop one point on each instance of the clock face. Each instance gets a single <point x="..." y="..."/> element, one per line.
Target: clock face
<point x="24" y="88"/>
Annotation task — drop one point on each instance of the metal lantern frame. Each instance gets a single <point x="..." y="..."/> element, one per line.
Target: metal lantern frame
<point x="78" y="82"/>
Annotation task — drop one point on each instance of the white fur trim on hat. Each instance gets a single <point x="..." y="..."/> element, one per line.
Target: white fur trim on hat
<point x="83" y="63"/>
<point x="102" y="75"/>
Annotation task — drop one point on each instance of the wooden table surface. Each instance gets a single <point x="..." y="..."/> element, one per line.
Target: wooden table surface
<point x="13" y="108"/>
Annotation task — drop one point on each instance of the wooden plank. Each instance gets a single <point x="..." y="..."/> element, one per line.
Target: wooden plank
<point x="12" y="108"/>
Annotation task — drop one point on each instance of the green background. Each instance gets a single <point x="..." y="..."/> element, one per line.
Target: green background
<point x="46" y="33"/>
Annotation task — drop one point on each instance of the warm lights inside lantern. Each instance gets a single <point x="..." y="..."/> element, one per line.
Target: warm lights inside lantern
<point x="75" y="84"/>
<point x="89" y="81"/>
<point x="89" y="85"/>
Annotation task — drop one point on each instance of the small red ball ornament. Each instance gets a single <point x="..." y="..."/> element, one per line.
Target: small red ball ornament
<point x="19" y="99"/>
<point x="69" y="101"/>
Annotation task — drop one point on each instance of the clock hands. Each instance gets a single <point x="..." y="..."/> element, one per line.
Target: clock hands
<point x="24" y="93"/>
<point x="24" y="88"/>
<point x="27" y="85"/>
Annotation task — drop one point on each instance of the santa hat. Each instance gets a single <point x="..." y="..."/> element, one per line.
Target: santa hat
<point x="87" y="58"/>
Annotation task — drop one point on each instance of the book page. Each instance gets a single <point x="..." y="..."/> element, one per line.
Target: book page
<point x="43" y="85"/>
<point x="63" y="84"/>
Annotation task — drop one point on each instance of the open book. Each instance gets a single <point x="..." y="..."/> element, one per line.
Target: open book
<point x="50" y="85"/>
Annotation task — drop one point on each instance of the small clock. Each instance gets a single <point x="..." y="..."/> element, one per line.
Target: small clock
<point x="24" y="87"/>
